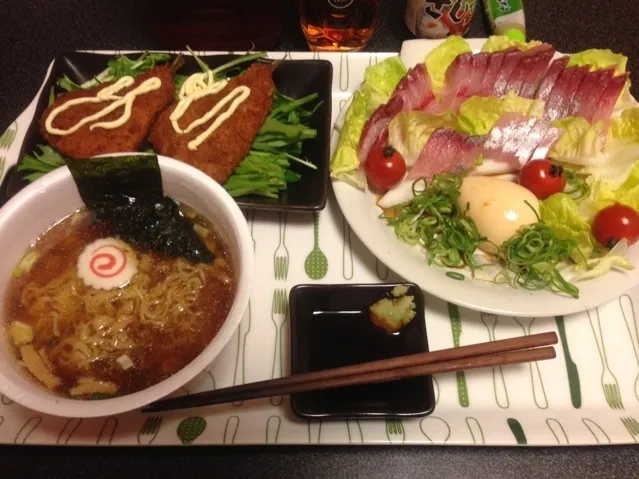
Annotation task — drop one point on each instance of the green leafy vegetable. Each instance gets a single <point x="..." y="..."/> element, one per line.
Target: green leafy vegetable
<point x="37" y="164"/>
<point x="605" y="194"/>
<point x="409" y="131"/>
<point x="265" y="171"/>
<point x="598" y="58"/>
<point x="497" y="43"/>
<point x="478" y="115"/>
<point x="579" y="143"/>
<point x="440" y="58"/>
<point x="117" y="67"/>
<point x="379" y="82"/>
<point x="562" y="217"/>
<point x="125" y="192"/>
<point x="626" y="126"/>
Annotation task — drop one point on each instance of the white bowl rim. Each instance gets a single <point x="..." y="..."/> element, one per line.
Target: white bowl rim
<point x="52" y="404"/>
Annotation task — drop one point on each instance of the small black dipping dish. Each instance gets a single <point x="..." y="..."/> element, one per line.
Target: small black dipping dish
<point x="331" y="327"/>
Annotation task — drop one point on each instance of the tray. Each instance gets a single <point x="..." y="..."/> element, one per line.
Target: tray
<point x="588" y="395"/>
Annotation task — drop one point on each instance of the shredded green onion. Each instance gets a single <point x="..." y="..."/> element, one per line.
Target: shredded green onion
<point x="533" y="255"/>
<point x="434" y="220"/>
<point x="455" y="275"/>
<point x="576" y="187"/>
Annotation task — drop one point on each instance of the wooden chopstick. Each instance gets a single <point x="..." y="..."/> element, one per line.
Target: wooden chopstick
<point x="495" y="353"/>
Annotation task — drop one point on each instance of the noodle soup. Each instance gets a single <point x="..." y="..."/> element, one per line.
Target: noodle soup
<point x="85" y="338"/>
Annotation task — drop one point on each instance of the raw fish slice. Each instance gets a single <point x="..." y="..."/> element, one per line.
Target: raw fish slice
<point x="589" y="106"/>
<point x="583" y="94"/>
<point x="578" y="77"/>
<point x="549" y="79"/>
<point x="511" y="61"/>
<point x="480" y="64"/>
<point x="604" y="108"/>
<point x="536" y="72"/>
<point x="446" y="151"/>
<point x="517" y="137"/>
<point x="529" y="62"/>
<point x="557" y="99"/>
<point x="532" y="141"/>
<point x="413" y="92"/>
<point x="376" y="125"/>
<point x="458" y="76"/>
<point x="549" y="139"/>
<point x="492" y="70"/>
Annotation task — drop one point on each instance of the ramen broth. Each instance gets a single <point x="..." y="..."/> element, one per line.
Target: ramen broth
<point x="85" y="342"/>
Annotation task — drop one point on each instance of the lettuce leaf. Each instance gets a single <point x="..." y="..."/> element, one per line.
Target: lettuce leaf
<point x="604" y="194"/>
<point x="626" y="126"/>
<point x="497" y="43"/>
<point x="579" y="142"/>
<point x="381" y="79"/>
<point x="478" y="115"/>
<point x="597" y="58"/>
<point x="379" y="82"/>
<point x="409" y="131"/>
<point x="561" y="214"/>
<point x="594" y="267"/>
<point x="440" y="58"/>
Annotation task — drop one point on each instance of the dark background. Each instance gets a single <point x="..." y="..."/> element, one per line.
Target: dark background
<point x="33" y="32"/>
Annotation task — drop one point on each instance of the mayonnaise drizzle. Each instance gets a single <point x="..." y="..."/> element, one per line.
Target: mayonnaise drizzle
<point x="198" y="86"/>
<point x="108" y="93"/>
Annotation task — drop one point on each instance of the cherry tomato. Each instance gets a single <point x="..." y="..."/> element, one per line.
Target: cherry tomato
<point x="385" y="167"/>
<point x="614" y="223"/>
<point x="543" y="178"/>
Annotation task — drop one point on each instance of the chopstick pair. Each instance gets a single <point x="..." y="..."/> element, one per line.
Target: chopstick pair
<point x="536" y="347"/>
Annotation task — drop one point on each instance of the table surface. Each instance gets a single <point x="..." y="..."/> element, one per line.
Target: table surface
<point x="33" y="32"/>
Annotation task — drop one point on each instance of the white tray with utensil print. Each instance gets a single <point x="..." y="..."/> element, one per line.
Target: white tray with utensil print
<point x="588" y="395"/>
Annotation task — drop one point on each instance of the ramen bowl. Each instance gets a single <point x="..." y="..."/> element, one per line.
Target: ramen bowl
<point x="45" y="202"/>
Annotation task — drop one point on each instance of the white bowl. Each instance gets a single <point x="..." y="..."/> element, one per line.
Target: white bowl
<point x="38" y="206"/>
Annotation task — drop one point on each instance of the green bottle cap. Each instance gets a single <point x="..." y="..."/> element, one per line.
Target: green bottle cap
<point x="514" y="34"/>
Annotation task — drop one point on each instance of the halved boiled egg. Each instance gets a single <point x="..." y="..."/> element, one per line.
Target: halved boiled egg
<point x="498" y="207"/>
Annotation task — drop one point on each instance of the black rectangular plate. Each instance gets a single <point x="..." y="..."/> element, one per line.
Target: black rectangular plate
<point x="330" y="327"/>
<point x="295" y="78"/>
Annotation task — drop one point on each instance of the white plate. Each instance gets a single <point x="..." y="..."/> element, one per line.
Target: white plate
<point x="362" y="214"/>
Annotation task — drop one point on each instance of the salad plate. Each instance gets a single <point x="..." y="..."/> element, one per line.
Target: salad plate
<point x="360" y="208"/>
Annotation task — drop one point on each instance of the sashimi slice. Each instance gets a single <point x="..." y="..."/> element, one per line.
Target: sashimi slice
<point x="576" y="80"/>
<point x="480" y="64"/>
<point x="376" y="125"/>
<point x="446" y="151"/>
<point x="492" y="70"/>
<point x="549" y="139"/>
<point x="536" y="70"/>
<point x="511" y="60"/>
<point x="548" y="81"/>
<point x="589" y="106"/>
<point x="413" y="92"/>
<point x="583" y="94"/>
<point x="557" y="100"/>
<point x="533" y="140"/>
<point x="505" y="138"/>
<point x="458" y="76"/>
<point x="604" y="108"/>
<point x="530" y="61"/>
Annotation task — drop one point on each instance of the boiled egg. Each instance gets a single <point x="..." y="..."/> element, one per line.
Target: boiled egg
<point x="498" y="207"/>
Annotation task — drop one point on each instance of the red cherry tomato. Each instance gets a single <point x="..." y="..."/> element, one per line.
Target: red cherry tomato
<point x="385" y="167"/>
<point x="614" y="223"/>
<point x="543" y="178"/>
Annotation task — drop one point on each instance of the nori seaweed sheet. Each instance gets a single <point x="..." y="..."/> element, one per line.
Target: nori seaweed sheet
<point x="125" y="192"/>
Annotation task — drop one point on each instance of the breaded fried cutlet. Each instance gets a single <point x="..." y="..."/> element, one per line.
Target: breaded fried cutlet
<point x="223" y="150"/>
<point x="129" y="137"/>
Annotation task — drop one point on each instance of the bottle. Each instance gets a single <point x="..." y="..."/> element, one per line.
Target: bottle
<point x="220" y="25"/>
<point x="439" y="18"/>
<point x="337" y="25"/>
<point x="507" y="18"/>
